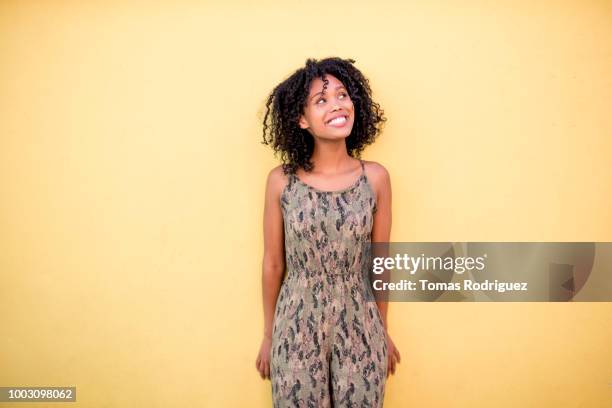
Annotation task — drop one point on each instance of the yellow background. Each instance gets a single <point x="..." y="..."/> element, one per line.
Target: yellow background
<point x="132" y="182"/>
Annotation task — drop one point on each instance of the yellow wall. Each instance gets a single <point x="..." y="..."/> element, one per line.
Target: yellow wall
<point x="132" y="182"/>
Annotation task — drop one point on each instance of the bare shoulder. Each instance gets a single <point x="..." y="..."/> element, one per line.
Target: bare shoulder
<point x="276" y="181"/>
<point x="377" y="173"/>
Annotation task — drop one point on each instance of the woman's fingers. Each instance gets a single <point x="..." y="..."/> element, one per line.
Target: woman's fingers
<point x="392" y="361"/>
<point x="267" y="370"/>
<point x="262" y="363"/>
<point x="263" y="366"/>
<point x="260" y="368"/>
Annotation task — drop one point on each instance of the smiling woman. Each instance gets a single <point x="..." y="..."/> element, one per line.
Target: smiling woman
<point x="318" y="92"/>
<point x="324" y="344"/>
<point x="341" y="114"/>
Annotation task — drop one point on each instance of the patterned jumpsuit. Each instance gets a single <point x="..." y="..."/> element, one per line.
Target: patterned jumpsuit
<point x="328" y="341"/>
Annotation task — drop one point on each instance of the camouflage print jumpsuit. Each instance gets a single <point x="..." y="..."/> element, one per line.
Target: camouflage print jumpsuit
<point x="328" y="341"/>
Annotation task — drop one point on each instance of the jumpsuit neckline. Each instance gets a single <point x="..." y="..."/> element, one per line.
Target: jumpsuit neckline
<point x="354" y="185"/>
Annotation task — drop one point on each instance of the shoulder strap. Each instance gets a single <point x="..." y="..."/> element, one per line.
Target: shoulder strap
<point x="290" y="177"/>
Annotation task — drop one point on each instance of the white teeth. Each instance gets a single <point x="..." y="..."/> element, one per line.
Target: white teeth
<point x="338" y="120"/>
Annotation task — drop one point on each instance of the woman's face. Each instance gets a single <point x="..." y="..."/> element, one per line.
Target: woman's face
<point x="328" y="115"/>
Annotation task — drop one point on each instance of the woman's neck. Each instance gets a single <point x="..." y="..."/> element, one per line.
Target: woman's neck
<point x="331" y="158"/>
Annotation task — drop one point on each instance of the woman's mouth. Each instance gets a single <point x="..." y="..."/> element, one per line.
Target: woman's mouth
<point x="338" y="122"/>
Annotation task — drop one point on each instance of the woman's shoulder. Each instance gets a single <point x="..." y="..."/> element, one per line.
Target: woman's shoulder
<point x="277" y="179"/>
<point x="375" y="170"/>
<point x="378" y="177"/>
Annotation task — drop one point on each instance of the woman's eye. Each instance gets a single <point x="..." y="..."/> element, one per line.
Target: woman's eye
<point x="343" y="95"/>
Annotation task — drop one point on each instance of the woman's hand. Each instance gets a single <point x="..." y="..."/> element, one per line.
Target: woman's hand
<point x="393" y="356"/>
<point x="263" y="358"/>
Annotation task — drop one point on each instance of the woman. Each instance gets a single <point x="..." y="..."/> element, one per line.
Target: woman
<point x="324" y="343"/>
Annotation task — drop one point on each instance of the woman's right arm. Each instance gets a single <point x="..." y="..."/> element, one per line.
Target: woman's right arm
<point x="273" y="265"/>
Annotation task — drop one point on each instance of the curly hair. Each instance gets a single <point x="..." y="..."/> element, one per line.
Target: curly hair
<point x="287" y="101"/>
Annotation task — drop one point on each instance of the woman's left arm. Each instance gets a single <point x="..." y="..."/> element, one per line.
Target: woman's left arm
<point x="381" y="232"/>
<point x="381" y="229"/>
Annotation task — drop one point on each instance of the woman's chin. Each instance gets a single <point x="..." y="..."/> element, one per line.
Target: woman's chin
<point x="336" y="137"/>
<point x="337" y="134"/>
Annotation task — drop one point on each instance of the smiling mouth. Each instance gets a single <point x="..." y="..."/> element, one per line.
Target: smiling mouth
<point x="340" y="120"/>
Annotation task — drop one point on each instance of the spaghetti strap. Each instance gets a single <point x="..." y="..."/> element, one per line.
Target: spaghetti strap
<point x="293" y="178"/>
<point x="362" y="167"/>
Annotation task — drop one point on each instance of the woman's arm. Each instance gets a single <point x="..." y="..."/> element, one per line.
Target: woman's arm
<point x="273" y="265"/>
<point x="381" y="230"/>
